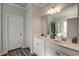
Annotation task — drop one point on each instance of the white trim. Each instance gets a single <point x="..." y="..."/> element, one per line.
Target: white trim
<point x="17" y="6"/>
<point x="26" y="37"/>
<point x="29" y="5"/>
<point x="24" y="47"/>
<point x="3" y="53"/>
<point x="6" y="33"/>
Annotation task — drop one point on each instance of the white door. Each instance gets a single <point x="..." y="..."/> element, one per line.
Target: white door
<point x="15" y="32"/>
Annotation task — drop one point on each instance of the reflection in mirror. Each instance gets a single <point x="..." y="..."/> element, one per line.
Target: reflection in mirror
<point x="66" y="22"/>
<point x="72" y="27"/>
<point x="66" y="27"/>
<point x="61" y="26"/>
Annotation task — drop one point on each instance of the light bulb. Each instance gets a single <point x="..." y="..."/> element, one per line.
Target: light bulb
<point x="52" y="9"/>
<point x="48" y="12"/>
<point x="58" y="10"/>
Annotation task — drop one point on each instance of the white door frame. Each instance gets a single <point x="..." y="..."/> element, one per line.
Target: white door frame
<point x="7" y="33"/>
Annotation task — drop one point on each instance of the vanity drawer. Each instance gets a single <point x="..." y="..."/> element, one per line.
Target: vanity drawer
<point x="54" y="50"/>
<point x="50" y="51"/>
<point x="62" y="49"/>
<point x="68" y="51"/>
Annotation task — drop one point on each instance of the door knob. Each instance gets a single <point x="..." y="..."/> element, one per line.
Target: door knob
<point x="20" y="34"/>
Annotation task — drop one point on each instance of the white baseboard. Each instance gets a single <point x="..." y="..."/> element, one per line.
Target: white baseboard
<point x="31" y="51"/>
<point x="3" y="53"/>
<point x="24" y="46"/>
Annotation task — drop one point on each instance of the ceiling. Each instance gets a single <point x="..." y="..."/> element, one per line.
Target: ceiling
<point x="43" y="4"/>
<point x="25" y="4"/>
<point x="21" y="4"/>
<point x="59" y="5"/>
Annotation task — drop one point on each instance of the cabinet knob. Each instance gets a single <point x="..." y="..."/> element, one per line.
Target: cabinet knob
<point x="21" y="34"/>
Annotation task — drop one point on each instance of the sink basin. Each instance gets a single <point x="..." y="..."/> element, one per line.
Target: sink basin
<point x="59" y="41"/>
<point x="42" y="37"/>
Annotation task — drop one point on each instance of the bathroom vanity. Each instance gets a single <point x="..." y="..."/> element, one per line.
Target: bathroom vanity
<point x="66" y="26"/>
<point x="43" y="46"/>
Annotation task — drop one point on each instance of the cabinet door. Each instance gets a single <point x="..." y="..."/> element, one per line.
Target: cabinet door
<point x="35" y="46"/>
<point x="41" y="49"/>
<point x="38" y="47"/>
<point x="50" y="51"/>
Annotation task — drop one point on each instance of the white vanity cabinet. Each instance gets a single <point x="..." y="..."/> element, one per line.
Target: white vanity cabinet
<point x="57" y="50"/>
<point x="53" y="50"/>
<point x="50" y="51"/>
<point x="42" y="47"/>
<point x="68" y="51"/>
<point x="38" y="46"/>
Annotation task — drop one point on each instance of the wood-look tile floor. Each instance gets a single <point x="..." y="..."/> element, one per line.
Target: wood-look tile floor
<point x="19" y="52"/>
<point x="15" y="52"/>
<point x="27" y="51"/>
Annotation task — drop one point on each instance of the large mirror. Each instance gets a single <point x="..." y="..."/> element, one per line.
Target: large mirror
<point x="66" y="22"/>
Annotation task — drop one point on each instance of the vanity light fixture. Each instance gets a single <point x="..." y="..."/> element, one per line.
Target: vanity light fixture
<point x="53" y="10"/>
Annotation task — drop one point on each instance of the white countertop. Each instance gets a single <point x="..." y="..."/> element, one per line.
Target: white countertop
<point x="67" y="44"/>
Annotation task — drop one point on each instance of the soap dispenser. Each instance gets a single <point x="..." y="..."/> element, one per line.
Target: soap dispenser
<point x="74" y="40"/>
